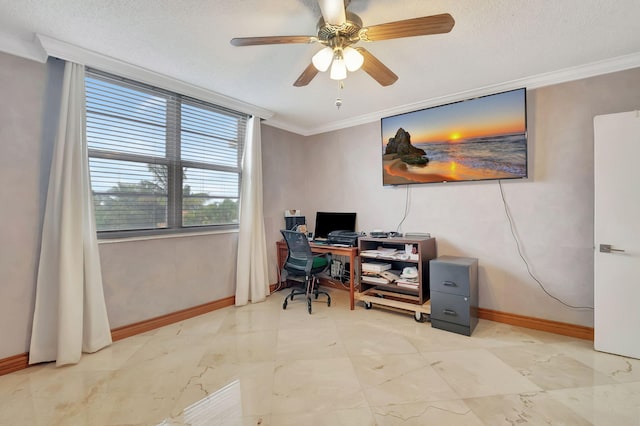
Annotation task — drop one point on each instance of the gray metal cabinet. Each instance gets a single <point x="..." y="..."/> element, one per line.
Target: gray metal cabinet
<point x="454" y="293"/>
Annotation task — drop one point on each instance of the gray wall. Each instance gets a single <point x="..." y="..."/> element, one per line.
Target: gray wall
<point x="148" y="278"/>
<point x="26" y="141"/>
<point x="552" y="210"/>
<point x="284" y="163"/>
<point x="142" y="278"/>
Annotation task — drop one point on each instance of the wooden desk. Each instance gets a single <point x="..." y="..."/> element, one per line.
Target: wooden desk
<point x="350" y="252"/>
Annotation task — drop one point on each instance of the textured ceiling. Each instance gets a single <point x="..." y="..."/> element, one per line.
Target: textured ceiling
<point x="492" y="42"/>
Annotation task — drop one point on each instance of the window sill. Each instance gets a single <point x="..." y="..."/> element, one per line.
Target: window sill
<point x="165" y="236"/>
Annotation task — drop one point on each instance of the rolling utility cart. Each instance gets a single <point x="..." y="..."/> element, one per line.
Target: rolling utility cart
<point x="394" y="274"/>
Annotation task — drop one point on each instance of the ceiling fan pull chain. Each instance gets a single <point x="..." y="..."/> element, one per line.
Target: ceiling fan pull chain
<point x="339" y="99"/>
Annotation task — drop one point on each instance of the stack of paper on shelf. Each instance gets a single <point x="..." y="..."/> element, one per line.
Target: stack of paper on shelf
<point x="383" y="252"/>
<point x="374" y="279"/>
<point x="375" y="267"/>
<point x="408" y="283"/>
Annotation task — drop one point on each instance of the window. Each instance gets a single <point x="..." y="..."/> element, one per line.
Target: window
<point x="160" y="161"/>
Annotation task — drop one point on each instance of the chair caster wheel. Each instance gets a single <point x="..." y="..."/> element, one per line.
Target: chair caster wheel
<point x="284" y="305"/>
<point x="329" y="301"/>
<point x="368" y="305"/>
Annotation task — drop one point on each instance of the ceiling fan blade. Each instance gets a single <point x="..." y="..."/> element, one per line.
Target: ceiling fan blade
<point x="377" y="69"/>
<point x="306" y="76"/>
<point x="426" y="25"/>
<point x="256" y="41"/>
<point x="333" y="11"/>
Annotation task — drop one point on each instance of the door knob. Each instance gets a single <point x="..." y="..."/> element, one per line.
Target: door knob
<point x="606" y="248"/>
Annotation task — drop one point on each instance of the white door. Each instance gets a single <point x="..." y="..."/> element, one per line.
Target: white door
<point x="617" y="234"/>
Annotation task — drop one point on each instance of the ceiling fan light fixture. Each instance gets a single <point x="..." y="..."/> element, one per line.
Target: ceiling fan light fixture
<point x="352" y="59"/>
<point x="322" y="59"/>
<point x="338" y="69"/>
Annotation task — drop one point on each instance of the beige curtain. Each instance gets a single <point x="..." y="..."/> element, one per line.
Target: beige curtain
<point x="252" y="277"/>
<point x="70" y="313"/>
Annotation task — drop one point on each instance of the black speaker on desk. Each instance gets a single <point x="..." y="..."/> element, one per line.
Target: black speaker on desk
<point x="292" y="222"/>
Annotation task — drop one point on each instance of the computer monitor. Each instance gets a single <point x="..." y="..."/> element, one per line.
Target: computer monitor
<point x="329" y="221"/>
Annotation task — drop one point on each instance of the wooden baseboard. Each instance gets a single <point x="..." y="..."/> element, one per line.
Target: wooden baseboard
<point x="563" y="328"/>
<point x="21" y="361"/>
<point x="14" y="363"/>
<point x="153" y="323"/>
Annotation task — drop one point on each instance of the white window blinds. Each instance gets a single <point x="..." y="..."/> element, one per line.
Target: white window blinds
<point x="160" y="161"/>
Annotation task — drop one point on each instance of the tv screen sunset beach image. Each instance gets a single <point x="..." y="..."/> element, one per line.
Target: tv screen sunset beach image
<point x="478" y="139"/>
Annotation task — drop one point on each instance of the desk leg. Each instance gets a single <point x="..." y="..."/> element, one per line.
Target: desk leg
<point x="352" y="279"/>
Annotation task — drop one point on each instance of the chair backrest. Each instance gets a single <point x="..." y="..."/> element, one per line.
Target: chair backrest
<point x="300" y="256"/>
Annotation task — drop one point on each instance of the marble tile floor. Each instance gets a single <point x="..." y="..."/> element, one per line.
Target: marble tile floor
<point x="260" y="365"/>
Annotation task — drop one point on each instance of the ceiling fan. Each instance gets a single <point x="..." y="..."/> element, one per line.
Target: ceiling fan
<point x="338" y="30"/>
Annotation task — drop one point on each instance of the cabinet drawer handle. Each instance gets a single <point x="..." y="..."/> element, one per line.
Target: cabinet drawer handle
<point x="449" y="284"/>
<point x="449" y="312"/>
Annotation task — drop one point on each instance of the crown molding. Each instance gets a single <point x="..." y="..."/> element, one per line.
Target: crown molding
<point x="27" y="49"/>
<point x="69" y="52"/>
<point x="607" y="66"/>
<point x="298" y="130"/>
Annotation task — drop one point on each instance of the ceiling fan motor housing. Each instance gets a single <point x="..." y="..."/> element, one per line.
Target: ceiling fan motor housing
<point x="340" y="35"/>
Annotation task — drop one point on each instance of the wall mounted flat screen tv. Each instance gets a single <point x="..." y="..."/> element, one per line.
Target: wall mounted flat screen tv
<point x="477" y="139"/>
<point x="329" y="221"/>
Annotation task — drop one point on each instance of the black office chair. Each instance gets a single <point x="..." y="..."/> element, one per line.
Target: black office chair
<point x="302" y="263"/>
